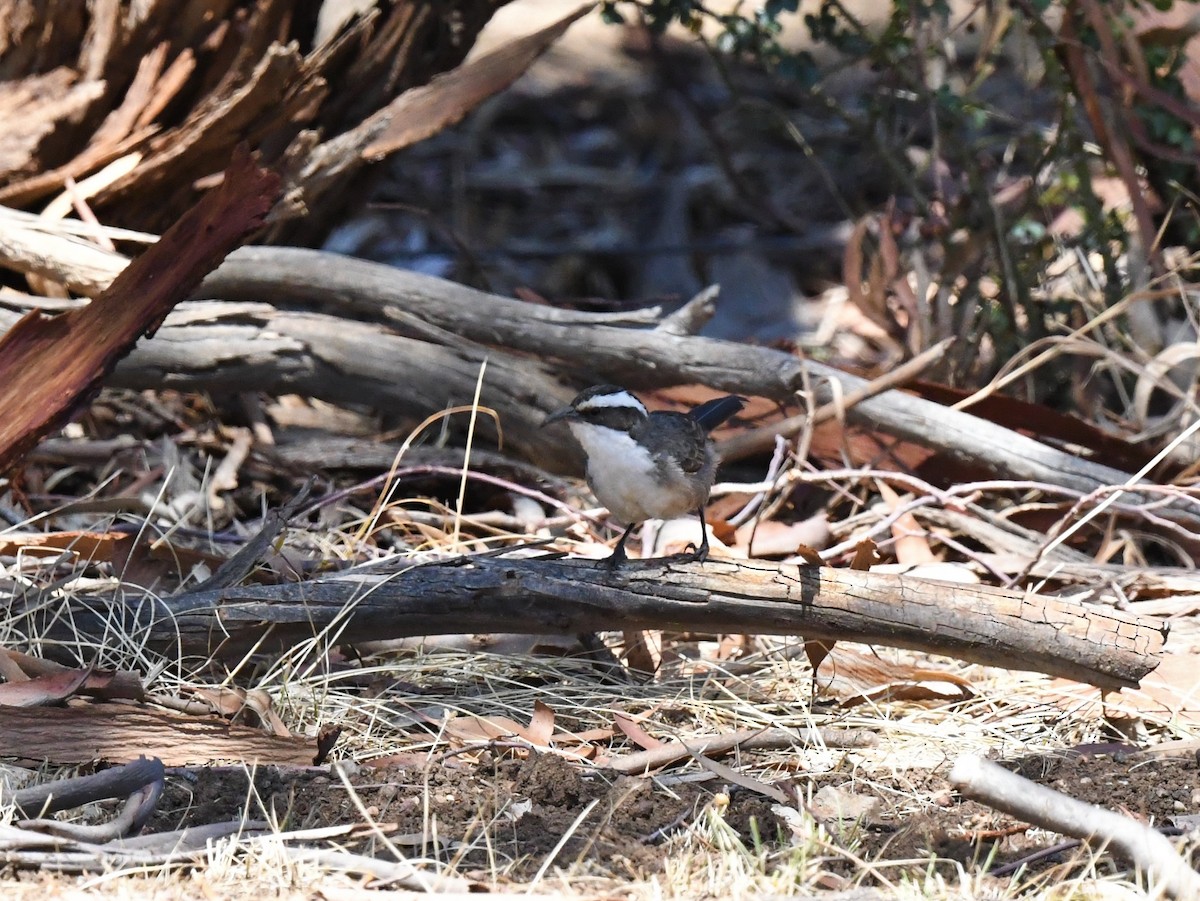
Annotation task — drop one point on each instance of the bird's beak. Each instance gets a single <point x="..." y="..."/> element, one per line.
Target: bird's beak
<point x="559" y="415"/>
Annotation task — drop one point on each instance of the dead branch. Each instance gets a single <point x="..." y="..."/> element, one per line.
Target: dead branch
<point x="1149" y="850"/>
<point x="63" y="794"/>
<point x="117" y="733"/>
<point x="182" y="847"/>
<point x="640" y="762"/>
<point x="637" y="357"/>
<point x="401" y="873"/>
<point x="547" y="595"/>
<point x="606" y="345"/>
<point x="230" y="348"/>
<point x="137" y="809"/>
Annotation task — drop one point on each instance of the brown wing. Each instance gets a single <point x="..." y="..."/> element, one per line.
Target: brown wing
<point x="674" y="435"/>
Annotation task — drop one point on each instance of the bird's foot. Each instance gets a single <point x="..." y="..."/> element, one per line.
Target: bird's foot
<point x="694" y="554"/>
<point x="614" y="561"/>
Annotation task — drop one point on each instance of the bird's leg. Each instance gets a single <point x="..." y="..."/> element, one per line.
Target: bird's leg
<point x="617" y="557"/>
<point x="699" y="555"/>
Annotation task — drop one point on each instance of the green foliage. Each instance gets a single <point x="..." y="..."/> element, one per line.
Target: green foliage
<point x="963" y="125"/>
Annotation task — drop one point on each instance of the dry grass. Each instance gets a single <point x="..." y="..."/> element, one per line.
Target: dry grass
<point x="695" y="693"/>
<point x="1009" y="718"/>
<point x="418" y="690"/>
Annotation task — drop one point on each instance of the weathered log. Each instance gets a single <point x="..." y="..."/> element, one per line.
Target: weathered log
<point x="229" y="348"/>
<point x="621" y="349"/>
<point x="637" y="357"/>
<point x="548" y="595"/>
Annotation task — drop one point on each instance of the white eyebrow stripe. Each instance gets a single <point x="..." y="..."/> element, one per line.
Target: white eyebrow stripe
<point x="609" y="401"/>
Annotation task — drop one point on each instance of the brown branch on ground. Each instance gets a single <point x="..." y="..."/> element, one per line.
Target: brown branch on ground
<point x="980" y="624"/>
<point x="638" y="763"/>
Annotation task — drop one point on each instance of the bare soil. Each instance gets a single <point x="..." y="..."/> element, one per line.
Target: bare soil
<point x="526" y="807"/>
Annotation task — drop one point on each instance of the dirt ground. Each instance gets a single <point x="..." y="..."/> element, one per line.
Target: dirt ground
<point x="527" y="807"/>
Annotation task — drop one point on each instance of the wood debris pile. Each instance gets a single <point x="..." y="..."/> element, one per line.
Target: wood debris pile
<point x="142" y="104"/>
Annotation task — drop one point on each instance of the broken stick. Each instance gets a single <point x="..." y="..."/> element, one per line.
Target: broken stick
<point x="1102" y="646"/>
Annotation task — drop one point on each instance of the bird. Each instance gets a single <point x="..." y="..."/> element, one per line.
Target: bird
<point x="647" y="465"/>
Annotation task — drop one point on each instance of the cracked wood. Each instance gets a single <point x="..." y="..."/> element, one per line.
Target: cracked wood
<point x="993" y="626"/>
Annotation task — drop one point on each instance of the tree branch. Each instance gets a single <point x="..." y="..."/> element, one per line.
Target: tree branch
<point x="1149" y="850"/>
<point x="981" y="624"/>
<point x="636" y="357"/>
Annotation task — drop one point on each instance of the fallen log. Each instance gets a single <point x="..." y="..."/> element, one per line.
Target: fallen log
<point x="638" y="357"/>
<point x="549" y="595"/>
<point x="626" y="348"/>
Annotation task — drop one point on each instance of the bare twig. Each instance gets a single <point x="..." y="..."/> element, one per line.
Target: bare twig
<point x="63" y="794"/>
<point x="995" y="786"/>
<point x="133" y="816"/>
<point x="641" y="762"/>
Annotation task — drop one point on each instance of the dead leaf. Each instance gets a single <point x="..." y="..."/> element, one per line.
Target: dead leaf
<point x="470" y="728"/>
<point x="50" y="689"/>
<point x="101" y="684"/>
<point x="541" y="724"/>
<point x="10" y="666"/>
<point x="643" y="650"/>
<point x="634" y="732"/>
<point x="587" y="736"/>
<point x="414" y="759"/>
<point x="730" y="647"/>
<point x="136" y="562"/>
<point x="865" y="555"/>
<point x="809" y="555"/>
<point x="853" y="677"/>
<point x="234" y="702"/>
<point x="90" y="546"/>
<point x="264" y="708"/>
<point x="228" y="702"/>
<point x="911" y="545"/>
<point x="771" y="538"/>
<point x="816" y="652"/>
<point x="1169" y="695"/>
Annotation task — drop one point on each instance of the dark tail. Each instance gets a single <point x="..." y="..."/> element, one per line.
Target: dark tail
<point x="712" y="413"/>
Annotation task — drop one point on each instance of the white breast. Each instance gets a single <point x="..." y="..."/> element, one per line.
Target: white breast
<point x="624" y="478"/>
